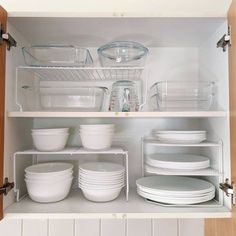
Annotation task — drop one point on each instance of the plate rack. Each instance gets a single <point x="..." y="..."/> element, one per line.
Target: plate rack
<point x="208" y="172"/>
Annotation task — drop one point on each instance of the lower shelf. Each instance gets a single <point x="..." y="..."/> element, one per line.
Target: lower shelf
<point x="76" y="206"/>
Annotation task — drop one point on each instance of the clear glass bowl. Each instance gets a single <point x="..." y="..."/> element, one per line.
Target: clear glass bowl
<point x="57" y="55"/>
<point x="122" y="53"/>
<point x="182" y="96"/>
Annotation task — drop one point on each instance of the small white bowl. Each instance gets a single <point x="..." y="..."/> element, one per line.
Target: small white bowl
<point x="48" y="192"/>
<point x="101" y="195"/>
<point x="49" y="169"/>
<point x="50" y="142"/>
<point x="50" y="131"/>
<point x="101" y="186"/>
<point x="96" y="141"/>
<point x="48" y="178"/>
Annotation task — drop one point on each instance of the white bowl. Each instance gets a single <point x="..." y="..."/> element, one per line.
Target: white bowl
<point x="50" y="142"/>
<point x="100" y="186"/>
<point x="96" y="141"/>
<point x="48" y="178"/>
<point x="104" y="132"/>
<point x="49" y="169"/>
<point x="101" y="195"/>
<point x="50" y="131"/>
<point x="48" y="192"/>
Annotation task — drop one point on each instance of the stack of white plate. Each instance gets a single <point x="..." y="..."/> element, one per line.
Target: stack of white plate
<point x="185" y="137"/>
<point x="50" y="139"/>
<point x="101" y="181"/>
<point x="49" y="182"/>
<point x="177" y="161"/>
<point x="97" y="137"/>
<point x="175" y="190"/>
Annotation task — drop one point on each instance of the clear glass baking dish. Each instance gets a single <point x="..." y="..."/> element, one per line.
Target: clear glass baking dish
<point x="57" y="55"/>
<point x="62" y="98"/>
<point x="182" y="96"/>
<point x="122" y="53"/>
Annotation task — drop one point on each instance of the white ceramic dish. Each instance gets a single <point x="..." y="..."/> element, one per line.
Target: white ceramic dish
<point x="177" y="201"/>
<point x="175" y="184"/>
<point x="185" y="137"/>
<point x="49" y="169"/>
<point x="50" y="142"/>
<point x="102" y="167"/>
<point x="178" y="161"/>
<point x="101" y="186"/>
<point x="103" y="181"/>
<point x="48" y="178"/>
<point x="48" y="192"/>
<point x="101" y="195"/>
<point x="96" y="141"/>
<point x="50" y="131"/>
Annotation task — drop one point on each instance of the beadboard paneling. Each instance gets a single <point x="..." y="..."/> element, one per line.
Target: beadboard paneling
<point x="96" y="227"/>
<point x="113" y="227"/>
<point x="35" y="227"/>
<point x="166" y="227"/>
<point x="84" y="227"/>
<point x="10" y="227"/>
<point x="139" y="227"/>
<point x="61" y="227"/>
<point x="191" y="227"/>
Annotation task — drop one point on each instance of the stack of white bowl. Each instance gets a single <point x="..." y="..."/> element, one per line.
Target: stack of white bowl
<point x="50" y="140"/>
<point x="101" y="181"/>
<point x="49" y="182"/>
<point x="97" y="137"/>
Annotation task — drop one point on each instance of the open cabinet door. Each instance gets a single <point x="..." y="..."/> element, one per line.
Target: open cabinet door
<point x="3" y="22"/>
<point x="227" y="227"/>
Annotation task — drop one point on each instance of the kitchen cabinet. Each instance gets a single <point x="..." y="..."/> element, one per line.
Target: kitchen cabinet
<point x="179" y="48"/>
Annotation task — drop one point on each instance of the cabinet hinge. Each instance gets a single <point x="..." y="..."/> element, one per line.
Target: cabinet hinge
<point x="6" y="188"/>
<point x="11" y="42"/>
<point x="225" y="40"/>
<point x="229" y="190"/>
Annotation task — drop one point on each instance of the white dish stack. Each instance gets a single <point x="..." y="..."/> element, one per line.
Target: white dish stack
<point x="176" y="161"/>
<point x="97" y="137"/>
<point x="50" y="140"/>
<point x="175" y="190"/>
<point x="49" y="182"/>
<point x="101" y="181"/>
<point x="184" y="137"/>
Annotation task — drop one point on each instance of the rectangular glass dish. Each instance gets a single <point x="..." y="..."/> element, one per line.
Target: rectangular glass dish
<point x="182" y="96"/>
<point x="57" y="56"/>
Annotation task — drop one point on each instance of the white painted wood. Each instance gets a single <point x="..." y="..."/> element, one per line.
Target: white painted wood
<point x="163" y="227"/>
<point x="113" y="227"/>
<point x="139" y="227"/>
<point x="113" y="8"/>
<point x="61" y="227"/>
<point x="35" y="227"/>
<point x="118" y="114"/>
<point x="191" y="227"/>
<point x="10" y="227"/>
<point x="87" y="227"/>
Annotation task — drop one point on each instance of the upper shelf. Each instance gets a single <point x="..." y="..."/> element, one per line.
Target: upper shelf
<point x="83" y="73"/>
<point x="48" y="114"/>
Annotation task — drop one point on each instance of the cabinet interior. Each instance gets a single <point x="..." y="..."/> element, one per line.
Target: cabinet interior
<point x="180" y="49"/>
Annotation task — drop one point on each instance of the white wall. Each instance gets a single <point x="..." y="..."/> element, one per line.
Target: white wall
<point x="161" y="8"/>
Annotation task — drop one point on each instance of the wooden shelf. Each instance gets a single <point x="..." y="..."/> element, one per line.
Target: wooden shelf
<point x="191" y="114"/>
<point x="76" y="206"/>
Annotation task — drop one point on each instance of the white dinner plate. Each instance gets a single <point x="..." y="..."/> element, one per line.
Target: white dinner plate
<point x="178" y="161"/>
<point x="175" y="185"/>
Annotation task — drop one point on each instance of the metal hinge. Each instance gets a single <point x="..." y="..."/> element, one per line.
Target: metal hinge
<point x="225" y="40"/>
<point x="6" y="188"/>
<point x="11" y="42"/>
<point x="229" y="190"/>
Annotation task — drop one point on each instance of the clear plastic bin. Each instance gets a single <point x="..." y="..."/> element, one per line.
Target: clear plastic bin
<point x="57" y="55"/>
